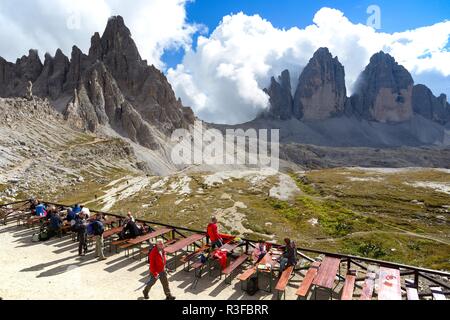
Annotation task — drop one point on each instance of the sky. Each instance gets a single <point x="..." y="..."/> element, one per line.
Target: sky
<point x="220" y="55"/>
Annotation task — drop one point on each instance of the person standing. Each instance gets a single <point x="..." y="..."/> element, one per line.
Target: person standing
<point x="81" y="229"/>
<point x="157" y="260"/>
<point x="213" y="234"/>
<point x="98" y="230"/>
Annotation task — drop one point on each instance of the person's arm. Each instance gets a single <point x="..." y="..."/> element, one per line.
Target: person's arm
<point x="216" y="232"/>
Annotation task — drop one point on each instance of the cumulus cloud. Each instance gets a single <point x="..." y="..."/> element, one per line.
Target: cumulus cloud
<point x="47" y="25"/>
<point x="223" y="79"/>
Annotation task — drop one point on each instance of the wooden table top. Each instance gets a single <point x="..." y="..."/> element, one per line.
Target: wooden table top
<point x="389" y="286"/>
<point x="150" y="235"/>
<point x="327" y="273"/>
<point x="177" y="246"/>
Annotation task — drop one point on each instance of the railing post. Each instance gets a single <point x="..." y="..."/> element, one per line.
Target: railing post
<point x="246" y="247"/>
<point x="416" y="279"/>
<point x="349" y="265"/>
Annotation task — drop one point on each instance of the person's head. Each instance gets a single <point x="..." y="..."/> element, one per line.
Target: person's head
<point x="214" y="219"/>
<point x="81" y="215"/>
<point x="86" y="211"/>
<point x="129" y="215"/>
<point x="287" y="241"/>
<point x="98" y="216"/>
<point x="160" y="244"/>
<point x="76" y="205"/>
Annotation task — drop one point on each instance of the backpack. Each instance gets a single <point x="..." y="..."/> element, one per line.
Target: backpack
<point x="35" y="237"/>
<point x="44" y="235"/>
<point x="252" y="286"/>
<point x="98" y="228"/>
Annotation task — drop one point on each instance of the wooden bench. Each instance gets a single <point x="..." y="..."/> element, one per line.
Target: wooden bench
<point x="368" y="287"/>
<point x="232" y="267"/>
<point x="246" y="275"/>
<point x="306" y="285"/>
<point x="283" y="282"/>
<point x="411" y="290"/>
<point x="437" y="293"/>
<point x="349" y="286"/>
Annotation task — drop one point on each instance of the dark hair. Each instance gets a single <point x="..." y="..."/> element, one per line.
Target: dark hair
<point x="287" y="240"/>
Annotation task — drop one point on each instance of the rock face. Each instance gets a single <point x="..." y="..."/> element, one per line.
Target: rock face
<point x="427" y="105"/>
<point x="14" y="78"/>
<point x="384" y="91"/>
<point x="112" y="86"/>
<point x="281" y="97"/>
<point x="321" y="91"/>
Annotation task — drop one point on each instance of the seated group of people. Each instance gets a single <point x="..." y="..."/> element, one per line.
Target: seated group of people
<point x="287" y="259"/>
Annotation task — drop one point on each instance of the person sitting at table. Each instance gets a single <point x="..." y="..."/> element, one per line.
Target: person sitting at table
<point x="55" y="222"/>
<point x="289" y="257"/>
<point x="259" y="252"/>
<point x="130" y="231"/>
<point x="71" y="216"/>
<point x="158" y="261"/>
<point x="76" y="209"/>
<point x="86" y="212"/>
<point x="213" y="234"/>
<point x="41" y="210"/>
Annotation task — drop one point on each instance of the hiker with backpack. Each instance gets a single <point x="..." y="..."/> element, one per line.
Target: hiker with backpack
<point x="157" y="259"/>
<point x="97" y="230"/>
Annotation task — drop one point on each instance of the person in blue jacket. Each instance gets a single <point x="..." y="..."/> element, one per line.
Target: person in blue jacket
<point x="41" y="210"/>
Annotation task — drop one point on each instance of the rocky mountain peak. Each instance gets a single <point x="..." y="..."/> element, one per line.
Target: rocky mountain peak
<point x="321" y="91"/>
<point x="384" y="91"/>
<point x="280" y="96"/>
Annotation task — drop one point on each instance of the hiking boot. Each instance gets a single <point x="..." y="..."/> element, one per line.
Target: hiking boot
<point x="170" y="298"/>
<point x="146" y="297"/>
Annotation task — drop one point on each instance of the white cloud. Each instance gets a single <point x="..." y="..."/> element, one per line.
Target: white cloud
<point x="47" y="25"/>
<point x="223" y="78"/>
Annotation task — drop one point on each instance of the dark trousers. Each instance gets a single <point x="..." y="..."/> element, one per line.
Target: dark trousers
<point x="217" y="244"/>
<point x="164" y="282"/>
<point x="82" y="243"/>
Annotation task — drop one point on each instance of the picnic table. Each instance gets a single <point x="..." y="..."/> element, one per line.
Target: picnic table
<point x="183" y="243"/>
<point x="230" y="247"/>
<point x="266" y="267"/>
<point x="327" y="273"/>
<point x="149" y="236"/>
<point x="389" y="287"/>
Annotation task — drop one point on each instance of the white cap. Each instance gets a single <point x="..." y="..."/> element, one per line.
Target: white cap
<point x="86" y="211"/>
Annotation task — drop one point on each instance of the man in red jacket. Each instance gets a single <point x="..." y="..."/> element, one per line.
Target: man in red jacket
<point x="157" y="259"/>
<point x="213" y="234"/>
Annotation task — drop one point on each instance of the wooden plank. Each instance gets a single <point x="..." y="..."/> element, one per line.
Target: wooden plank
<point x="183" y="243"/>
<point x="284" y="279"/>
<point x="149" y="236"/>
<point x="411" y="291"/>
<point x="349" y="286"/>
<point x="389" y="286"/>
<point x="327" y="273"/>
<point x="307" y="281"/>
<point x="235" y="264"/>
<point x="369" y="285"/>
<point x="437" y="293"/>
<point x="247" y="274"/>
<point x="230" y="247"/>
<point x="111" y="232"/>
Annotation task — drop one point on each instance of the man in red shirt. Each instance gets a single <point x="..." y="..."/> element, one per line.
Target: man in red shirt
<point x="213" y="234"/>
<point x="157" y="259"/>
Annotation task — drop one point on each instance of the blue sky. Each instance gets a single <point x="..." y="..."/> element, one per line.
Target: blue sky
<point x="396" y="15"/>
